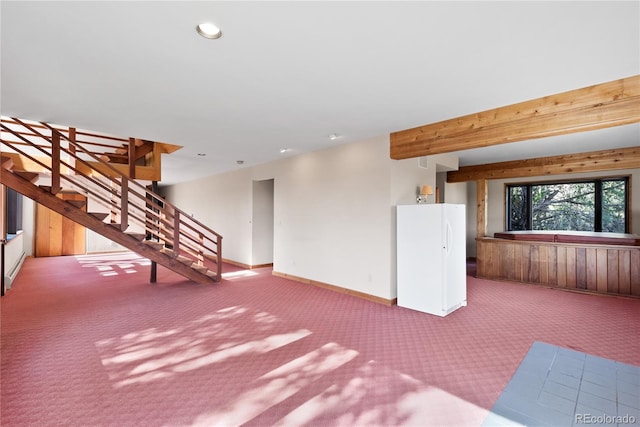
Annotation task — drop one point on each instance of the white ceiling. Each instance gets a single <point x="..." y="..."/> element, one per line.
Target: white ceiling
<point x="288" y="74"/>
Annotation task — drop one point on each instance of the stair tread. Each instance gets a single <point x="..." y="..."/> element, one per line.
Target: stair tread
<point x="181" y="258"/>
<point x="185" y="260"/>
<point x="119" y="227"/>
<point x="200" y="268"/>
<point x="99" y="215"/>
<point x="154" y="244"/>
<point x="26" y="182"/>
<point x="7" y="162"/>
<point x="137" y="236"/>
<point x="46" y="188"/>
<point x="29" y="176"/>
<point x="77" y="203"/>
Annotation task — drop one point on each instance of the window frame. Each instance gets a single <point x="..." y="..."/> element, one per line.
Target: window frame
<point x="597" y="181"/>
<point x="13" y="211"/>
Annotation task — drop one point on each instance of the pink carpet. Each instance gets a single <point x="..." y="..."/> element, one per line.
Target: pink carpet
<point x="87" y="341"/>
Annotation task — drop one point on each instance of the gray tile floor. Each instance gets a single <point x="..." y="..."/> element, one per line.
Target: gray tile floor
<point x="555" y="386"/>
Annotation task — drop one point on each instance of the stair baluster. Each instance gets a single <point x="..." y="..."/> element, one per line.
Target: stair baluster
<point x="157" y="219"/>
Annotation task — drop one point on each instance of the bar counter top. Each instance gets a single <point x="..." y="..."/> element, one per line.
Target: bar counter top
<point x="581" y="237"/>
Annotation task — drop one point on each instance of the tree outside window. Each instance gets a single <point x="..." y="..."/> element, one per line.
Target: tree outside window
<point x="593" y="205"/>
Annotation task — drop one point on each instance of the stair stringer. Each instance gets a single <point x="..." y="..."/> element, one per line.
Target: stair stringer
<point x="85" y="219"/>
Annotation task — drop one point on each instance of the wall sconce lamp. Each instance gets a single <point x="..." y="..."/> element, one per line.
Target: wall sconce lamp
<point x="425" y="191"/>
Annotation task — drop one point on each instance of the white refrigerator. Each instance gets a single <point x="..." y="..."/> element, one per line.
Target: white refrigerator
<point x="431" y="257"/>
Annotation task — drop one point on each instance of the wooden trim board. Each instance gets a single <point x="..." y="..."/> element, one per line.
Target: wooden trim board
<point x="239" y="264"/>
<point x="593" y="161"/>
<point x="600" y="106"/>
<point x="602" y="269"/>
<point x="335" y="288"/>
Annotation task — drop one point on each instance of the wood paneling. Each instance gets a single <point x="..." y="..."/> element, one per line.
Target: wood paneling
<point x="605" y="269"/>
<point x="591" y="269"/>
<point x="581" y="268"/>
<point x="612" y="276"/>
<point x="593" y="161"/>
<point x="482" y="190"/>
<point x="3" y="203"/>
<point x="132" y="241"/>
<point x="635" y="273"/>
<point x="571" y="267"/>
<point x="595" y="107"/>
<point x="57" y="235"/>
<point x="561" y="266"/>
<point x="624" y="272"/>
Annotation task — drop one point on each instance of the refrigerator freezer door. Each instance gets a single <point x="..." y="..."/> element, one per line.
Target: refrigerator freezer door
<point x="455" y="292"/>
<point x="431" y="248"/>
<point x="419" y="257"/>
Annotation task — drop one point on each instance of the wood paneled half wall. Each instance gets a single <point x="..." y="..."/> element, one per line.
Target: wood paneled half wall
<point x="604" y="269"/>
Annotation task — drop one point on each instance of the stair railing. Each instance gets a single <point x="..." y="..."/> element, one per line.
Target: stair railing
<point x="129" y="202"/>
<point x="108" y="146"/>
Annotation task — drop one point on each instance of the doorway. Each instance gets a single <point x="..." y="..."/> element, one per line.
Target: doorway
<point x="262" y="223"/>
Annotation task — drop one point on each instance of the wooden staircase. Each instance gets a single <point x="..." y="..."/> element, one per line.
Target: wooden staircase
<point x="123" y="152"/>
<point x="130" y="215"/>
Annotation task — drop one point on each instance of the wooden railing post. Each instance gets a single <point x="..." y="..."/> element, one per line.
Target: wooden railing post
<point x="201" y="249"/>
<point x="135" y="204"/>
<point x="124" y="203"/>
<point x="176" y="233"/>
<point x="55" y="162"/>
<point x="482" y="190"/>
<point x="72" y="148"/>
<point x="132" y="158"/>
<point x="162" y="237"/>
<point x="219" y="259"/>
<point x="2" y="242"/>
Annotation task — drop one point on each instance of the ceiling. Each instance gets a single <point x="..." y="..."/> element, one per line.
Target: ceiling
<point x="288" y="74"/>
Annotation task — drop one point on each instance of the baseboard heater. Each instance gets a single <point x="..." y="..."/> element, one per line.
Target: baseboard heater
<point x="13" y="271"/>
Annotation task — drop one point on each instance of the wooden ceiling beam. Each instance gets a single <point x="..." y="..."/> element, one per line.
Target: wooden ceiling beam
<point x="593" y="161"/>
<point x="595" y="107"/>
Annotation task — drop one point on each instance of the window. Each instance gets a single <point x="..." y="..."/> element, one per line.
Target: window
<point x="590" y="205"/>
<point x="14" y="211"/>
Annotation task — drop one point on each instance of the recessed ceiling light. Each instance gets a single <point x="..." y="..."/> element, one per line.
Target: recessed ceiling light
<point x="202" y="154"/>
<point x="334" y="136"/>
<point x="209" y="30"/>
<point x="239" y="162"/>
<point x="285" y="150"/>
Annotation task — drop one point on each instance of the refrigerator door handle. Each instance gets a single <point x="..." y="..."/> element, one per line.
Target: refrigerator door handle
<point x="449" y="238"/>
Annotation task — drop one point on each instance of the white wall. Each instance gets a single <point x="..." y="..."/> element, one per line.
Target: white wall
<point x="28" y="225"/>
<point x="407" y="176"/>
<point x="224" y="203"/>
<point x="333" y="217"/>
<point x="334" y="212"/>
